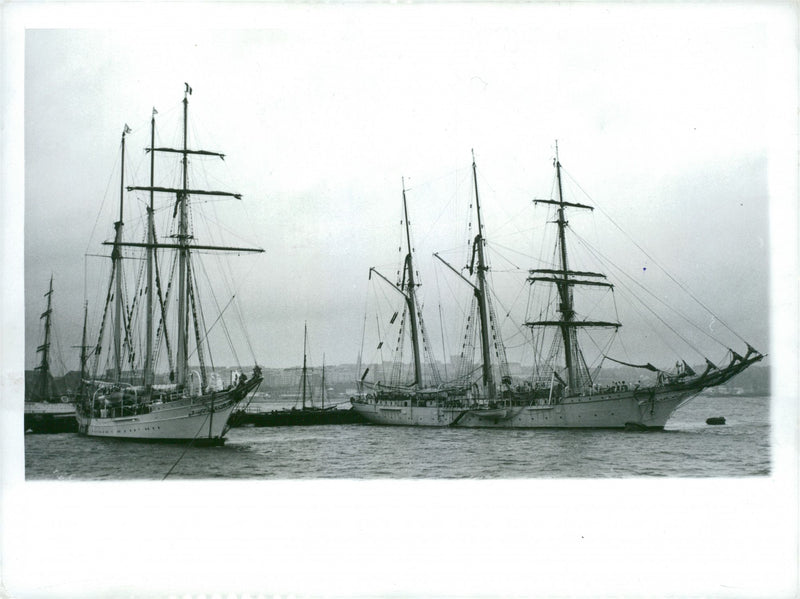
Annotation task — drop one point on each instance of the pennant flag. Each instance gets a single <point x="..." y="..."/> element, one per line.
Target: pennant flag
<point x="127" y="129"/>
<point x="155" y="112"/>
<point x="188" y="89"/>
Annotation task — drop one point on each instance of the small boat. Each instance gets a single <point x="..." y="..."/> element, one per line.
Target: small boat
<point x="716" y="420"/>
<point x="126" y="403"/>
<point x="306" y="414"/>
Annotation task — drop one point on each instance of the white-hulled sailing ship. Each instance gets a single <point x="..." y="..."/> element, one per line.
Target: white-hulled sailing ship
<point x="562" y="391"/>
<point x="194" y="405"/>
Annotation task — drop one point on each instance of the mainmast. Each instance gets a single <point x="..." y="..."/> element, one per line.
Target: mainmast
<point x="565" y="279"/>
<point x="148" y="360"/>
<point x="411" y="299"/>
<point x="116" y="258"/>
<point x="183" y="256"/>
<point x="43" y="383"/>
<point x="480" y="294"/>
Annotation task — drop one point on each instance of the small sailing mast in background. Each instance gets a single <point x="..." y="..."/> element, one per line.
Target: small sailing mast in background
<point x="305" y="365"/>
<point x="323" y="381"/>
<point x="42" y="388"/>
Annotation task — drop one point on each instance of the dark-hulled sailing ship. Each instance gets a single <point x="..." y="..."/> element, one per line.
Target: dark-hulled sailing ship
<point x="46" y="409"/>
<point x="307" y="414"/>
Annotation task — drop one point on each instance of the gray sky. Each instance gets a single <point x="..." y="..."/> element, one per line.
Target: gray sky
<point x="662" y="115"/>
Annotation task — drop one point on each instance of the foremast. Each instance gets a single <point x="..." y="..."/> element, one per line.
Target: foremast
<point x="565" y="280"/>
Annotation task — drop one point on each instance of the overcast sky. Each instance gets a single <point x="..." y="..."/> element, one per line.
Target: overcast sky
<point x="662" y="114"/>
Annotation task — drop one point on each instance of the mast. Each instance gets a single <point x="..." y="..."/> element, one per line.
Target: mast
<point x="148" y="360"/>
<point x="565" y="279"/>
<point x="323" y="381"/>
<point x="43" y="383"/>
<point x="182" y="240"/>
<point x="305" y="340"/>
<point x="568" y="333"/>
<point x="480" y="292"/>
<point x="116" y="257"/>
<point x="411" y="299"/>
<point x="183" y="256"/>
<point x="84" y="347"/>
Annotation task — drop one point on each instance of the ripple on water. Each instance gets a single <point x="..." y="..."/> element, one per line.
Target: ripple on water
<point x="686" y="448"/>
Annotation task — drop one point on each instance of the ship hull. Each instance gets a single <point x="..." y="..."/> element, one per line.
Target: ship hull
<point x="308" y="417"/>
<point x="203" y="419"/>
<point x="626" y="410"/>
<point x="41" y="417"/>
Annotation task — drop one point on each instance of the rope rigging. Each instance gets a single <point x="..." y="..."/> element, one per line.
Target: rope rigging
<point x="684" y="288"/>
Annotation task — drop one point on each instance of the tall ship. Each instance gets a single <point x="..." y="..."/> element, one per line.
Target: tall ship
<point x="562" y="390"/>
<point x="48" y="409"/>
<point x="162" y="317"/>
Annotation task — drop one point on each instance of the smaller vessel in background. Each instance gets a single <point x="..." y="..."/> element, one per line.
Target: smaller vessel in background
<point x="307" y="413"/>
<point x="47" y="410"/>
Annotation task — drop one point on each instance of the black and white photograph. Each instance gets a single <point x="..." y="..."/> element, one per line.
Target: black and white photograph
<point x="399" y="300"/>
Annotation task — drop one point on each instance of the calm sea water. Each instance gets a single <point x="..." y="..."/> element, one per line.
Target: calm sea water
<point x="688" y="447"/>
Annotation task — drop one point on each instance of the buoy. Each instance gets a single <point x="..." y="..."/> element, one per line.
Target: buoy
<point x="716" y="420"/>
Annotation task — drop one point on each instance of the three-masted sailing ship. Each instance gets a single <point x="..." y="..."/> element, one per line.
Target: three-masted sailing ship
<point x="562" y="392"/>
<point x="47" y="410"/>
<point x="127" y="402"/>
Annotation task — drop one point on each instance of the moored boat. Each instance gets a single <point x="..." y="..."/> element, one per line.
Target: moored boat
<point x="46" y="409"/>
<point x="127" y="402"/>
<point x="307" y="414"/>
<point x="562" y="391"/>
